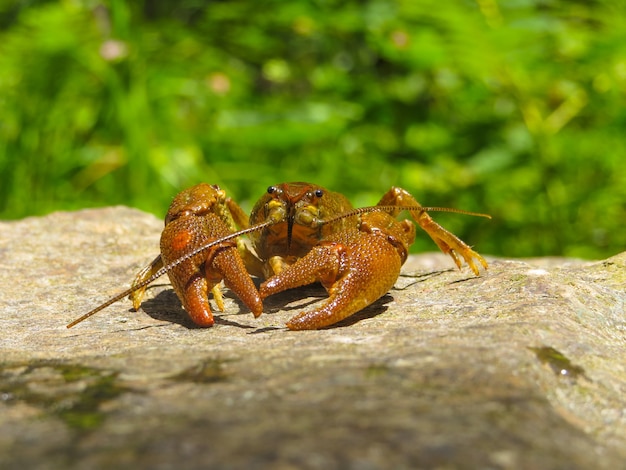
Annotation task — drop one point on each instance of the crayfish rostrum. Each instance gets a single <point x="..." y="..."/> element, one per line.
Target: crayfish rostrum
<point x="300" y="233"/>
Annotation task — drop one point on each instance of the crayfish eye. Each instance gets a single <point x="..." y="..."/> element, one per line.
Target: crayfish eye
<point x="271" y="190"/>
<point x="319" y="193"/>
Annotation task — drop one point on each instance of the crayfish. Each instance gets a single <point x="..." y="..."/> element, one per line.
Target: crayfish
<point x="300" y="233"/>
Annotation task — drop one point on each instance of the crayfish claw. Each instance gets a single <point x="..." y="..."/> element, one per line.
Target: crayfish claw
<point x="356" y="268"/>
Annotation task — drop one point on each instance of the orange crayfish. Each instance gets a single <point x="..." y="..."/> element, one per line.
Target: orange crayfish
<point x="300" y="233"/>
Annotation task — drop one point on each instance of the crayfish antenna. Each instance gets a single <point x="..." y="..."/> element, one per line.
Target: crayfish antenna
<point x="168" y="268"/>
<point x="364" y="210"/>
<point x="443" y="209"/>
<point x="112" y="300"/>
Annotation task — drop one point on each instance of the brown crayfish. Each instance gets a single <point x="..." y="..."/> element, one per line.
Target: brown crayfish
<point x="300" y="233"/>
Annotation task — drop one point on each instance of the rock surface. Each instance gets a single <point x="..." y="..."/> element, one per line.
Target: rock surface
<point x="522" y="367"/>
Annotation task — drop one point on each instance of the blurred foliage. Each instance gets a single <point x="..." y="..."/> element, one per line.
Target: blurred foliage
<point x="515" y="108"/>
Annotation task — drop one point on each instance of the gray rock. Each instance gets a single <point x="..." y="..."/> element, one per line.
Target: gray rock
<point x="522" y="367"/>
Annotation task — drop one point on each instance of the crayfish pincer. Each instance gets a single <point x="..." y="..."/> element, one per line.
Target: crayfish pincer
<point x="197" y="216"/>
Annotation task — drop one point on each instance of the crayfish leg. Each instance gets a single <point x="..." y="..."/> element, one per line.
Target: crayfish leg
<point x="447" y="242"/>
<point x="136" y="296"/>
<point x="450" y="244"/>
<point x="218" y="297"/>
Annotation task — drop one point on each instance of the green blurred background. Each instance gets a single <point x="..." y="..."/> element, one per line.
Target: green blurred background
<point x="515" y="108"/>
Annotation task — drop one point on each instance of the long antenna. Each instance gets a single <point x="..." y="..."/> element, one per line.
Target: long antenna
<point x="168" y="268"/>
<point x="362" y="210"/>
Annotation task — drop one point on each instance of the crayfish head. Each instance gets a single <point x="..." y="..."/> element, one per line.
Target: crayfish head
<point x="295" y="203"/>
<point x="296" y="211"/>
